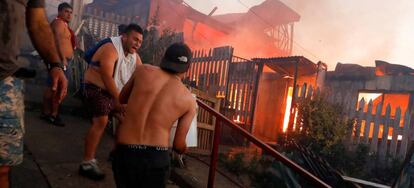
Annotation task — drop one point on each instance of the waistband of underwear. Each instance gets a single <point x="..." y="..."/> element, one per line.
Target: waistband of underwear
<point x="141" y="147"/>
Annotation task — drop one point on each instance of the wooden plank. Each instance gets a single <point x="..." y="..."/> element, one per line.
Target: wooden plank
<point x="237" y="97"/>
<point x="374" y="142"/>
<point x="352" y="107"/>
<point x="406" y="135"/>
<point x="368" y="117"/>
<point x="208" y="76"/>
<point x="383" y="146"/>
<point x="395" y="131"/>
<point x="197" y="74"/>
<point x="303" y="91"/>
<point x="205" y="126"/>
<point x="214" y="75"/>
<point x="296" y="94"/>
<point x="318" y="91"/>
<point x="310" y="92"/>
<point x="359" y="120"/>
<point x="220" y="75"/>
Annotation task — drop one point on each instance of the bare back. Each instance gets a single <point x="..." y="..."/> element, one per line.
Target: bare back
<point x="156" y="100"/>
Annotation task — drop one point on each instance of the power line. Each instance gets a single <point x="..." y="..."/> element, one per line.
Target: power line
<point x="267" y="23"/>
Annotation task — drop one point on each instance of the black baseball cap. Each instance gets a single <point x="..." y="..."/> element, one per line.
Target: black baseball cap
<point x="177" y="58"/>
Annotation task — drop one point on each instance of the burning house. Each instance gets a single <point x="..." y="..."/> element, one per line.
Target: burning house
<point x="281" y="82"/>
<point x="257" y="94"/>
<point x="385" y="83"/>
<point x="380" y="99"/>
<point x="266" y="30"/>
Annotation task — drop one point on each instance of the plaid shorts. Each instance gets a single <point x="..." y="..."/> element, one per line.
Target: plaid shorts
<point x="11" y="121"/>
<point x="98" y="100"/>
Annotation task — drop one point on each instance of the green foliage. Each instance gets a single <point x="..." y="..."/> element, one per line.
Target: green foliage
<point x="235" y="164"/>
<point x="154" y="45"/>
<point x="323" y="125"/>
<point x="262" y="171"/>
<point x="326" y="132"/>
<point x="156" y="42"/>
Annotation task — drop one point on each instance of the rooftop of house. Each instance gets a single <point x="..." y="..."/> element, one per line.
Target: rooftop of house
<point x="286" y="65"/>
<point x="269" y="13"/>
<point x="358" y="72"/>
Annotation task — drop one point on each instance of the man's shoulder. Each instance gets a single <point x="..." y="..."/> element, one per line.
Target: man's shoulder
<point x="188" y="95"/>
<point x="58" y="23"/>
<point x="106" y="51"/>
<point x="109" y="48"/>
<point x="192" y="102"/>
<point x="147" y="67"/>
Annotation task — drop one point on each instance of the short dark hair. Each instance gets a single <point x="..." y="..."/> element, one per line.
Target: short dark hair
<point x="133" y="27"/>
<point x="63" y="6"/>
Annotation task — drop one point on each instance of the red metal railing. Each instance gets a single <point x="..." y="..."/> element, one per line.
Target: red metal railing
<point x="214" y="156"/>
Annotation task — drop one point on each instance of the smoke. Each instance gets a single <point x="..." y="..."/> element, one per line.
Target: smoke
<point x="353" y="31"/>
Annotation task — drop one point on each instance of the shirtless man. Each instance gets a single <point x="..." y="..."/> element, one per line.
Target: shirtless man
<point x="65" y="41"/>
<point x="156" y="98"/>
<point x="104" y="80"/>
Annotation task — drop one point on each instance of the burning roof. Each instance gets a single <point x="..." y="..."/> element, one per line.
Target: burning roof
<point x="270" y="12"/>
<point x="358" y="72"/>
<point x="385" y="68"/>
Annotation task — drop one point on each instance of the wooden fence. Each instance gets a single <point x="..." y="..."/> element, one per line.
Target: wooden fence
<point x="205" y="123"/>
<point x="209" y="70"/>
<point x="220" y="74"/>
<point x="241" y="91"/>
<point x="386" y="131"/>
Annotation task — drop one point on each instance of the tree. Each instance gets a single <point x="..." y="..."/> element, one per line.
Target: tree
<point x="156" y="41"/>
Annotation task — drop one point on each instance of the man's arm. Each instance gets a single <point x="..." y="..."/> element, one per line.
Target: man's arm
<point x="107" y="60"/>
<point x="126" y="90"/>
<point x="58" y="28"/>
<point x="41" y="35"/>
<point x="42" y="39"/>
<point x="183" y="126"/>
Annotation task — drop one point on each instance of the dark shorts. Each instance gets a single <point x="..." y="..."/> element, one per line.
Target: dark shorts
<point x="11" y="121"/>
<point x="141" y="166"/>
<point x="98" y="100"/>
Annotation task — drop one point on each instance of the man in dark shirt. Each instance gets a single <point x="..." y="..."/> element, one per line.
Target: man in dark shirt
<point x="12" y="15"/>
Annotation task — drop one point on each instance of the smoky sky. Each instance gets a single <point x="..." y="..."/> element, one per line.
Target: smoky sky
<point x="347" y="31"/>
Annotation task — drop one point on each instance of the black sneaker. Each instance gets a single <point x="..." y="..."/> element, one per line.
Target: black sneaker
<point x="91" y="170"/>
<point x="57" y="121"/>
<point x="44" y="117"/>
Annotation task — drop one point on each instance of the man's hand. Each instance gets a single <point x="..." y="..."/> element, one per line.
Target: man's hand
<point x="59" y="83"/>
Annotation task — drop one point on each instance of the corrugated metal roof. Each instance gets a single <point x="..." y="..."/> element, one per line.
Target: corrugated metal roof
<point x="287" y="65"/>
